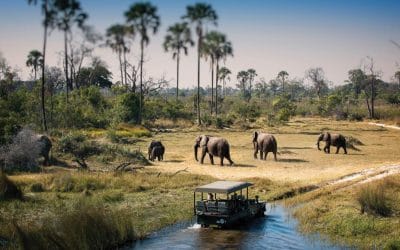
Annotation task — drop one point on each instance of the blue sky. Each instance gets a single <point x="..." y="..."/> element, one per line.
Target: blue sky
<point x="269" y="36"/>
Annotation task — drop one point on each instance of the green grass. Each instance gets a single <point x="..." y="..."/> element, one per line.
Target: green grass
<point x="341" y="214"/>
<point x="84" y="210"/>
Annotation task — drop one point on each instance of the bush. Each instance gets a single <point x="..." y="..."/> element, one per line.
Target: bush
<point x="78" y="146"/>
<point x="283" y="108"/>
<point x="373" y="200"/>
<point x="8" y="190"/>
<point x="356" y="117"/>
<point x="22" y="153"/>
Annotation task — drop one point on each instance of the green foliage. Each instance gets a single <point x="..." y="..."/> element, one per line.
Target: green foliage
<point x="245" y="110"/>
<point x="283" y="108"/>
<point x="126" y="108"/>
<point x="78" y="146"/>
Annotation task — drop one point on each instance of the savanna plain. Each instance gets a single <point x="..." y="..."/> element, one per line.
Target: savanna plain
<point x="351" y="199"/>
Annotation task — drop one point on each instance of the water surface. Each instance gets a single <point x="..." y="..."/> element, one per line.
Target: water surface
<point x="277" y="230"/>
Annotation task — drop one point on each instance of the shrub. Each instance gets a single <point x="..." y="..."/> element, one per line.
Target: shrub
<point x="8" y="190"/>
<point x="22" y="153"/>
<point x="283" y="108"/>
<point x="372" y="199"/>
<point x="79" y="148"/>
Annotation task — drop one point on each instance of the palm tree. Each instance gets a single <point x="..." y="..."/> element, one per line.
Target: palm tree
<point x="397" y="76"/>
<point x="177" y="38"/>
<point x="223" y="74"/>
<point x="143" y="16"/>
<point x="209" y="50"/>
<point x="67" y="13"/>
<point x="224" y="49"/>
<point x="35" y="60"/>
<point x="199" y="15"/>
<point x="48" y="22"/>
<point x="283" y="76"/>
<point x="116" y="40"/>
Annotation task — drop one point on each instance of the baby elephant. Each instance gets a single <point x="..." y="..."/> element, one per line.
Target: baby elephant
<point x="154" y="144"/>
<point x="264" y="143"/>
<point x="157" y="152"/>
<point x="336" y="140"/>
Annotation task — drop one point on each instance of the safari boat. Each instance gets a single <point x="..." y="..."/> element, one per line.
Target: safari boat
<point x="225" y="204"/>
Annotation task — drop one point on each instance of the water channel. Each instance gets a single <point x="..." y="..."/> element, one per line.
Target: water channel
<point x="277" y="230"/>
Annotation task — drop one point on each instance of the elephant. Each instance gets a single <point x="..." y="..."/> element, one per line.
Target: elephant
<point x="214" y="146"/>
<point x="264" y="143"/>
<point x="336" y="140"/>
<point x="152" y="145"/>
<point x="45" y="147"/>
<point x="157" y="152"/>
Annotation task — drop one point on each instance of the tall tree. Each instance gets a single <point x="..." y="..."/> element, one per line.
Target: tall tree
<point x="243" y="79"/>
<point x="223" y="74"/>
<point x="372" y="79"/>
<point x="397" y="77"/>
<point x="223" y="50"/>
<point x="252" y="74"/>
<point x="200" y="14"/>
<point x="143" y="16"/>
<point x="35" y="60"/>
<point x="358" y="79"/>
<point x="177" y="39"/>
<point x="317" y="77"/>
<point x="208" y="50"/>
<point x="48" y="22"/>
<point x="117" y="35"/>
<point x="282" y="76"/>
<point x="68" y="13"/>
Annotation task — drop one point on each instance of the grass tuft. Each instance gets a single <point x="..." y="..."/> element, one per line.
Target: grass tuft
<point x="373" y="200"/>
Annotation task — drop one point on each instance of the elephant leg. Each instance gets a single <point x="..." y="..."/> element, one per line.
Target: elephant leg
<point x="229" y="159"/>
<point x="261" y="154"/>
<point x="337" y="149"/>
<point x="265" y="155"/>
<point x="222" y="161"/>
<point x="255" y="152"/>
<point x="345" y="151"/>
<point x="275" y="156"/>
<point x="211" y="159"/>
<point x="203" y="154"/>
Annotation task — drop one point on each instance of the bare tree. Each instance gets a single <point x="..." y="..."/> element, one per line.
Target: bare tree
<point x="317" y="77"/>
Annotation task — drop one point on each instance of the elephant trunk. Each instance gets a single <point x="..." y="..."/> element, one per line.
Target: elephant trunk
<point x="318" y="144"/>
<point x="195" y="151"/>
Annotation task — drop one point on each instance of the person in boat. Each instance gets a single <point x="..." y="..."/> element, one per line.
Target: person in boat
<point x="210" y="197"/>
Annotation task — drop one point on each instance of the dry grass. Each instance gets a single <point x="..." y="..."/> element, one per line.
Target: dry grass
<point x="299" y="160"/>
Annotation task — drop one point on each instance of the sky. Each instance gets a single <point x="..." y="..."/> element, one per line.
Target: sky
<point x="267" y="35"/>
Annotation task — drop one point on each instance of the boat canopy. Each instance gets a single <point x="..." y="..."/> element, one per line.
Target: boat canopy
<point x="223" y="187"/>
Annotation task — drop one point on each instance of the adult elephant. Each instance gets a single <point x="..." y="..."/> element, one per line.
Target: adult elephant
<point x="264" y="143"/>
<point x="152" y="145"/>
<point x="213" y="146"/>
<point x="336" y="140"/>
<point x="45" y="147"/>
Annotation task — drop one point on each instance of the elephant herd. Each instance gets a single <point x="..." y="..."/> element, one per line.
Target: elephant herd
<point x="263" y="143"/>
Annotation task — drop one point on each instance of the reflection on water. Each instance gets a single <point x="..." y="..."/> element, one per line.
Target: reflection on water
<point x="277" y="230"/>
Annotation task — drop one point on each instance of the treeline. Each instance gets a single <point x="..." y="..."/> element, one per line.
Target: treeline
<point x="82" y="94"/>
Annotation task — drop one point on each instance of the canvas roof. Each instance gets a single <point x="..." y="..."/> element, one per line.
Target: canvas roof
<point x="223" y="187"/>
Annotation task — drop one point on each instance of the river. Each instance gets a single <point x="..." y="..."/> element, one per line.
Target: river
<point x="277" y="230"/>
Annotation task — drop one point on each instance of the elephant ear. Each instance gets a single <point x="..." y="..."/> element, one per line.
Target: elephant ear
<point x="255" y="135"/>
<point x="327" y="136"/>
<point x="204" y="140"/>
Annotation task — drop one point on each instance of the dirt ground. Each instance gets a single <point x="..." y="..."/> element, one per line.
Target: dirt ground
<point x="299" y="160"/>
